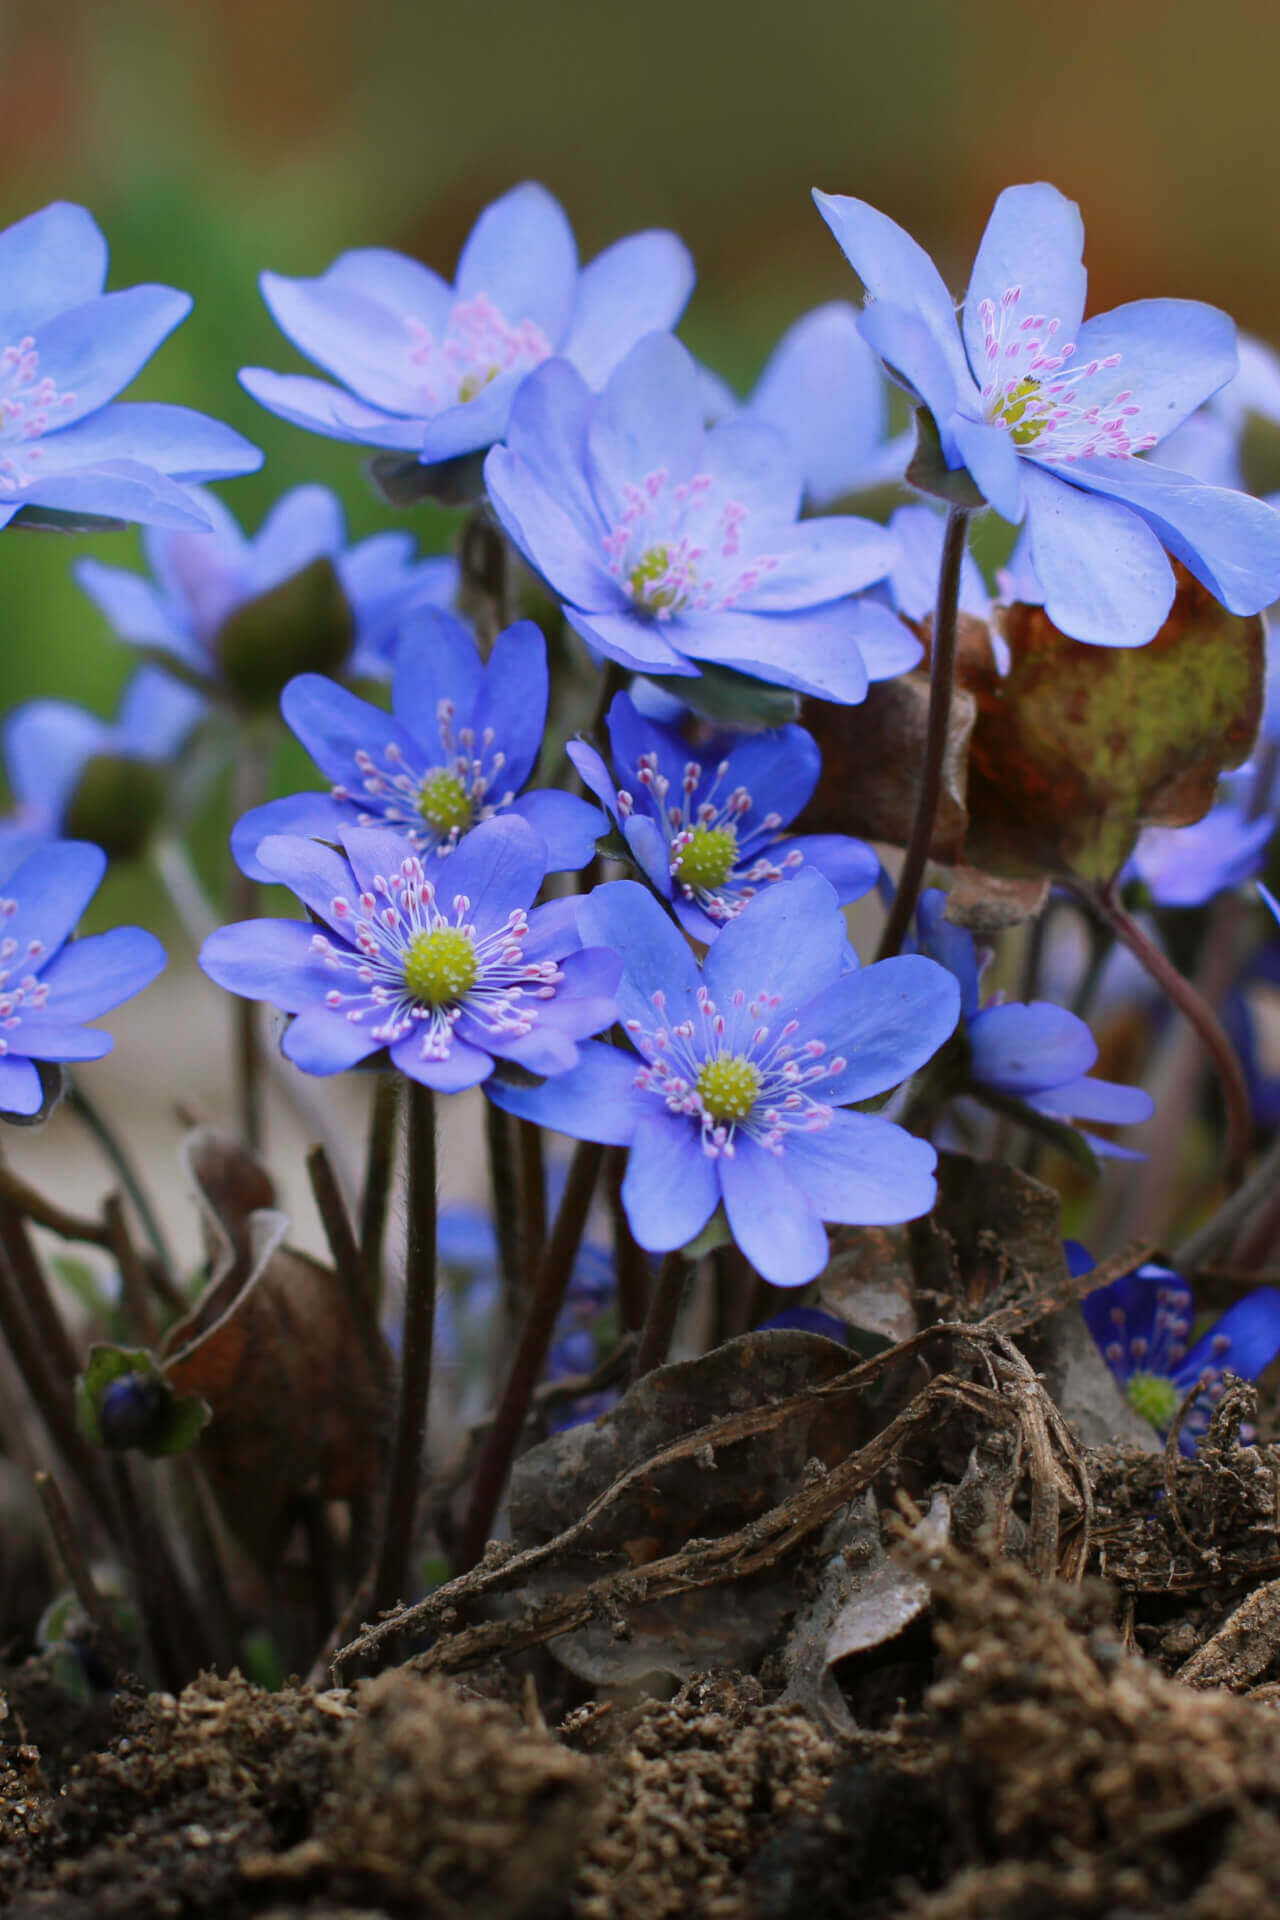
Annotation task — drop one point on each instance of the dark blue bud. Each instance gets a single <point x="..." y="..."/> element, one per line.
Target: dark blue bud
<point x="133" y="1410"/>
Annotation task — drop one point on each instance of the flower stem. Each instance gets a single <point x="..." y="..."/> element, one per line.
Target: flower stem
<point x="630" y="1261"/>
<point x="942" y="679"/>
<point x="1189" y="1001"/>
<point x="506" y="1212"/>
<point x="91" y="1116"/>
<point x="485" y="566"/>
<point x="348" y="1262"/>
<point x="664" y="1310"/>
<point x="379" y="1165"/>
<point x="544" y="1305"/>
<point x="533" y="1195"/>
<point x="391" y="1579"/>
<point x="69" y="1550"/>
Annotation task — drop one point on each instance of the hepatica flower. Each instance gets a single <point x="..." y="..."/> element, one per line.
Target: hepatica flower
<point x="1030" y="1051"/>
<point x="1208" y="444"/>
<point x="1142" y="1324"/>
<point x="708" y="830"/>
<point x="823" y="389"/>
<point x="461" y="740"/>
<point x="66" y="349"/>
<point x="200" y="582"/>
<point x="1189" y="866"/>
<point x="50" y="984"/>
<point x="431" y="369"/>
<point x="671" y="542"/>
<point x="1049" y="413"/>
<point x="447" y="968"/>
<point x="72" y="773"/>
<point x="736" y="1083"/>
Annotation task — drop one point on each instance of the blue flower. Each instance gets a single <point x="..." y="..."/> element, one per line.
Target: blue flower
<point x="461" y="740"/>
<point x="448" y="969"/>
<point x="49" y="984"/>
<point x="745" y="1068"/>
<point x="52" y="750"/>
<point x="912" y="585"/>
<point x="1189" y="866"/>
<point x="823" y="389"/>
<point x="1047" y="414"/>
<point x="66" y="349"/>
<point x="1031" y="1051"/>
<point x="201" y="582"/>
<point x="671" y="542"/>
<point x="1142" y="1324"/>
<point x="431" y="370"/>
<point x="708" y="830"/>
<point x="1208" y="444"/>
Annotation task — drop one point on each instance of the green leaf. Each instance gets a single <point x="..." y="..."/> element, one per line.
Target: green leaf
<point x="929" y="470"/>
<point x="721" y="694"/>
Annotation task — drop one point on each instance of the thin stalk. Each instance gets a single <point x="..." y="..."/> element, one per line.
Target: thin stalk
<point x="1192" y="1003"/>
<point x="375" y="1196"/>
<point x="485" y="566"/>
<point x="143" y="1324"/>
<point x="942" y="679"/>
<point x="24" y="1264"/>
<point x="614" y="680"/>
<point x="193" y="1498"/>
<point x="664" y="1310"/>
<point x="50" y="1392"/>
<point x="1222" y="1229"/>
<point x="24" y="1199"/>
<point x="532" y="1183"/>
<point x="348" y="1261"/>
<point x="174" y="1626"/>
<point x="506" y="1208"/>
<point x="630" y="1262"/>
<point x="391" y="1579"/>
<point x="117" y="1156"/>
<point x="549" y="1287"/>
<point x="69" y="1552"/>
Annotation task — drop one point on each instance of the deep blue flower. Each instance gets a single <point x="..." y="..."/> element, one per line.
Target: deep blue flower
<point x="823" y="389"/>
<point x="1142" y="1324"/>
<point x="200" y="582"/>
<point x="673" y="543"/>
<point x="50" y="984"/>
<point x="461" y="740"/>
<point x="1047" y="414"/>
<point x="66" y="349"/>
<point x="1033" y="1051"/>
<point x="51" y="746"/>
<point x="745" y="1068"/>
<point x="708" y="829"/>
<point x="447" y="968"/>
<point x="431" y="370"/>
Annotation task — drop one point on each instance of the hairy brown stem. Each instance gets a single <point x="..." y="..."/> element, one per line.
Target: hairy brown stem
<point x="664" y="1310"/>
<point x="348" y="1261"/>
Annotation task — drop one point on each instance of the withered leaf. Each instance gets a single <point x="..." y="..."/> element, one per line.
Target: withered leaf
<point x="271" y="1346"/>
<point x="1078" y="747"/>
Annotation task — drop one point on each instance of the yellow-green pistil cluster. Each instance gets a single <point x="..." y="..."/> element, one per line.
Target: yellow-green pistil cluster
<point x="1155" y="1397"/>
<point x="706" y="858"/>
<point x="728" y="1087"/>
<point x="1012" y="410"/>
<point x="439" y="967"/>
<point x="444" y="803"/>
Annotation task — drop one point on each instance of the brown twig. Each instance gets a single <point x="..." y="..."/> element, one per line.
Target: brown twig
<point x="69" y="1552"/>
<point x="24" y="1199"/>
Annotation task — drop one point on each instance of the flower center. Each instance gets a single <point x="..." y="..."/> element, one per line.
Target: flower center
<point x="439" y="966"/>
<point x="443" y="801"/>
<point x="1014" y="410"/>
<point x="1155" y="1397"/>
<point x="728" y="1086"/>
<point x="706" y="858"/>
<point x="27" y="403"/>
<point x="655" y="582"/>
<point x="1032" y="389"/>
<point x="478" y="344"/>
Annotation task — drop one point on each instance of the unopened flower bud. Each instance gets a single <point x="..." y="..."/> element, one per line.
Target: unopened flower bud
<point x="305" y="625"/>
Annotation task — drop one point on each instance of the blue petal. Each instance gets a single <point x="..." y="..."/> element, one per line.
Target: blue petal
<point x="862" y="1170"/>
<point x="304" y="524"/>
<point x="1251" y="1326"/>
<point x="317" y="816"/>
<point x="769" y="1216"/>
<point x="92" y="975"/>
<point x="93" y="350"/>
<point x="462" y="1067"/>
<point x="271" y="960"/>
<point x="1104" y="574"/>
<point x="437" y="663"/>
<point x="594" y="774"/>
<point x="396" y="281"/>
<point x="814" y="650"/>
<point x="757" y="466"/>
<point x="951" y="946"/>
<point x="512" y="703"/>
<point x="895" y="268"/>
<point x="639" y="285"/>
<point x="1173" y="355"/>
<point x="498" y="866"/>
<point x="818" y="561"/>
<point x="653" y="857"/>
<point x="52" y="888"/>
<point x="1034" y="242"/>
<point x="656" y="956"/>
<point x="992" y="459"/>
<point x="119" y="490"/>
<point x="46" y="745"/>
<point x="566" y="554"/>
<point x="20" y="1088"/>
<point x="49" y="1040"/>
<point x="318" y="1041"/>
<point x="1187" y="866"/>
<point x="1093" y="1099"/>
<point x="548" y="431"/>
<point x="334" y="725"/>
<point x="1228" y="540"/>
<point x="156" y="714"/>
<point x="911" y="351"/>
<point x="634" y="640"/>
<point x="317" y="874"/>
<point x="787" y="941"/>
<point x="886" y="646"/>
<point x="586" y="1000"/>
<point x="358" y="340"/>
<point x="547" y="1050"/>
<point x="822" y="387"/>
<point x="884" y="1022"/>
<point x="913" y="580"/>
<point x="648" y="420"/>
<point x="596" y="1100"/>
<point x="567" y="826"/>
<point x="174" y="440"/>
<point x="670" y="1189"/>
<point x="469" y="426"/>
<point x="314" y="404"/>
<point x="1028" y="1048"/>
<point x="521" y="253"/>
<point x="50" y="261"/>
<point x="778" y="769"/>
